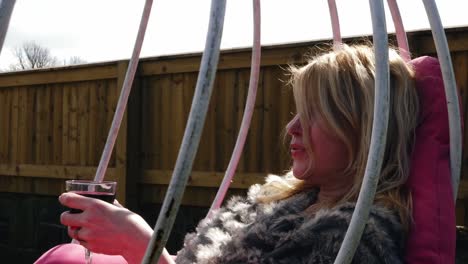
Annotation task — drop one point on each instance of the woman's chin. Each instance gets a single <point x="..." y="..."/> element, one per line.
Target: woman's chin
<point x="299" y="174"/>
<point x="308" y="180"/>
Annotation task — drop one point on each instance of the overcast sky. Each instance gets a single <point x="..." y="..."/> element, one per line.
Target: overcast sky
<point x="103" y="30"/>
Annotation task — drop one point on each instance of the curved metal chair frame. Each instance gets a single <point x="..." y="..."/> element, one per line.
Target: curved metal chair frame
<point x="6" y="8"/>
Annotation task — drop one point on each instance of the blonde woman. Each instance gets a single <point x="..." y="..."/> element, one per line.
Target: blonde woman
<point x="301" y="217"/>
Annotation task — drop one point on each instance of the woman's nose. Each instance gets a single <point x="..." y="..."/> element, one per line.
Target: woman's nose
<point x="294" y="127"/>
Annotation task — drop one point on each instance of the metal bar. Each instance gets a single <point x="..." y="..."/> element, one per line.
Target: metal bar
<point x="248" y="111"/>
<point x="335" y="21"/>
<point x="192" y="134"/>
<point x="6" y="8"/>
<point x="399" y="30"/>
<point x="122" y="103"/>
<point x="379" y="136"/>
<point x="451" y="94"/>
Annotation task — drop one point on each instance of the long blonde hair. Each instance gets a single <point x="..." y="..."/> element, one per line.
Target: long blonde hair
<point x="339" y="87"/>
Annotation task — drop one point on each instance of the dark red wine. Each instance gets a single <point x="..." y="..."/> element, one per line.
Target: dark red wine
<point x="107" y="197"/>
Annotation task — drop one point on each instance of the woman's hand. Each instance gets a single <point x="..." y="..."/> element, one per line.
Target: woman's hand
<point x="106" y="228"/>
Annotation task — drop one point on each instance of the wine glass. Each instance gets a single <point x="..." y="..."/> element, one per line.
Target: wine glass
<point x="100" y="190"/>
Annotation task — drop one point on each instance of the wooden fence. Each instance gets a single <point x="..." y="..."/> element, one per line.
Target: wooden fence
<point x="54" y="122"/>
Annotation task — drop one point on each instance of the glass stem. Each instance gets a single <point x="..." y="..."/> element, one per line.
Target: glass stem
<point x="88" y="256"/>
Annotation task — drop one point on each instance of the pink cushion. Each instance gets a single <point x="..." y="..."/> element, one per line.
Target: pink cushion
<point x="74" y="254"/>
<point x="432" y="236"/>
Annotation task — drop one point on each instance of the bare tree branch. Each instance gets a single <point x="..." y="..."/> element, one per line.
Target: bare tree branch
<point x="31" y="55"/>
<point x="74" y="60"/>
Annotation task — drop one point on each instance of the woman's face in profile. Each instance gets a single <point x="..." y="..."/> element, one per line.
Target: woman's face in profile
<point x="329" y="159"/>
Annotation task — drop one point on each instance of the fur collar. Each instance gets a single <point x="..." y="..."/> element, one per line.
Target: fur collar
<point x="280" y="232"/>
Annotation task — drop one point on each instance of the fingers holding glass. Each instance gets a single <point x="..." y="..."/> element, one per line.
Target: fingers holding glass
<point x="86" y="190"/>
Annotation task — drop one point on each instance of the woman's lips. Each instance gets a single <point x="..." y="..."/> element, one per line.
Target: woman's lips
<point x="296" y="150"/>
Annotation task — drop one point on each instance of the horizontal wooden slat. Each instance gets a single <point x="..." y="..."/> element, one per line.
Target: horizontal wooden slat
<point x="196" y="195"/>
<point x="193" y="196"/>
<point x="53" y="172"/>
<point x="60" y="75"/>
<point x="28" y="185"/>
<point x="204" y="179"/>
<point x="228" y="60"/>
<point x="240" y="181"/>
<point x="456" y="43"/>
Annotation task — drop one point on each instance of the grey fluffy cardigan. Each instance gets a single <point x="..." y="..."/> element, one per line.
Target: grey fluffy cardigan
<point x="248" y="232"/>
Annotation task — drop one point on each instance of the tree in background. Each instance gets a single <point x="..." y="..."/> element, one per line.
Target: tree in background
<point x="31" y="55"/>
<point x="74" y="60"/>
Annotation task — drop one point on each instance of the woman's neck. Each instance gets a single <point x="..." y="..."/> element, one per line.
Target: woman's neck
<point x="325" y="199"/>
<point x="333" y="192"/>
<point x="328" y="195"/>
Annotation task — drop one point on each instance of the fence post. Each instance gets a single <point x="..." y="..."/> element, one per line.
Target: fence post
<point x="121" y="141"/>
<point x="134" y="170"/>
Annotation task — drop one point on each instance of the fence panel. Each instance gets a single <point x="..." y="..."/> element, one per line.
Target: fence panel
<point x="54" y="124"/>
